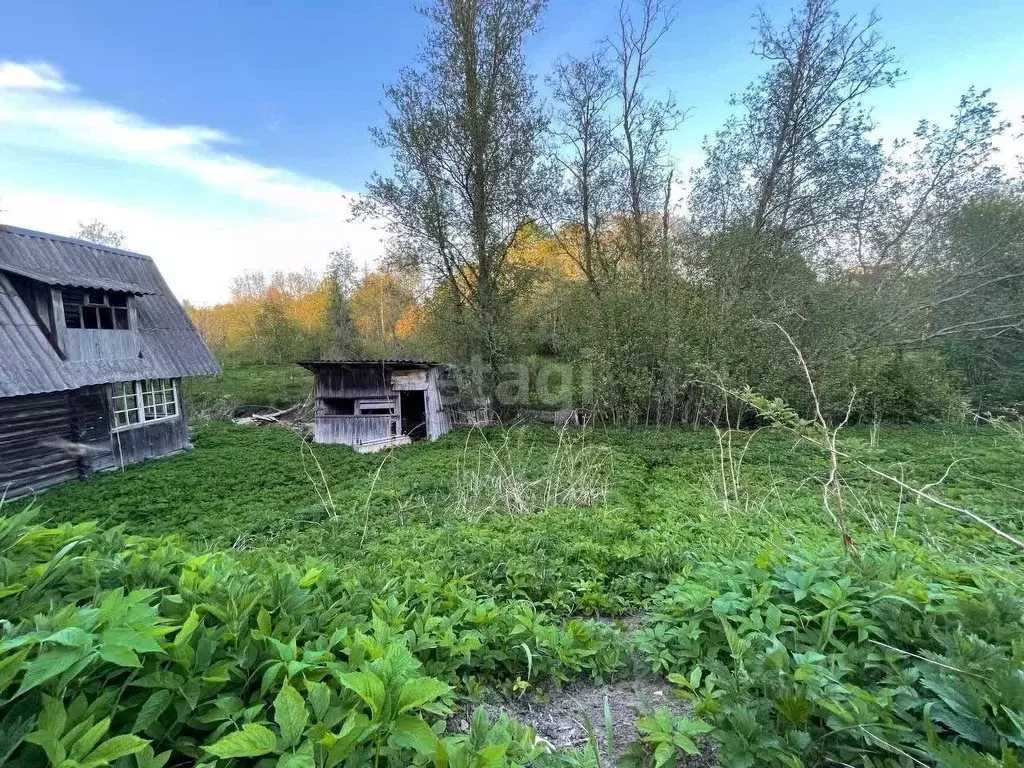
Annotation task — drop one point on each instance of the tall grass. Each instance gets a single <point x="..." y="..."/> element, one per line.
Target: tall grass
<point x="502" y="476"/>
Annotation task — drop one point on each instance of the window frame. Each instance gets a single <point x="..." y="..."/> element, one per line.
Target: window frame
<point x="139" y="408"/>
<point x="96" y="304"/>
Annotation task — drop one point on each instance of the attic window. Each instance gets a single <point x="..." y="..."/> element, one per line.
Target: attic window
<point x="100" y="310"/>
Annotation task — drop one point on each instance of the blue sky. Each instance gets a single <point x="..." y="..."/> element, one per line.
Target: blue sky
<point x="227" y="135"/>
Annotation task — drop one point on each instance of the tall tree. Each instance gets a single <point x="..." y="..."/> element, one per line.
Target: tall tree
<point x="464" y="130"/>
<point x="644" y="122"/>
<point x="790" y="161"/>
<point x="98" y="232"/>
<point x="583" y="150"/>
<point x="343" y="339"/>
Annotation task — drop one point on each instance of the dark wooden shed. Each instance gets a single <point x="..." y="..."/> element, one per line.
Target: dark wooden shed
<point x="93" y="347"/>
<point x="374" y="404"/>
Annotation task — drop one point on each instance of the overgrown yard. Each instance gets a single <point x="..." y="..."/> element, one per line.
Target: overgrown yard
<point x="512" y="563"/>
<point x="247" y="387"/>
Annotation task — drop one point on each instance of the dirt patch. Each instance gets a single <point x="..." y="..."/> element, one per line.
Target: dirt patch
<point x="560" y="716"/>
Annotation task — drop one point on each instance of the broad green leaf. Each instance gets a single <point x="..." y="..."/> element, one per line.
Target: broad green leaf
<point x="74" y="637"/>
<point x="663" y="754"/>
<point x="85" y="743"/>
<point x="319" y="699"/>
<point x="145" y="758"/>
<point x="48" y="666"/>
<point x="419" y="691"/>
<point x="10" y="666"/>
<point x="252" y="741"/>
<point x="120" y="655"/>
<point x="412" y="732"/>
<point x="152" y="709"/>
<point x="263" y="622"/>
<point x="686" y="744"/>
<point x="51" y="744"/>
<point x="188" y="628"/>
<point x="162" y="678"/>
<point x="53" y="717"/>
<point x="367" y="686"/>
<point x="129" y="638"/>
<point x="300" y="758"/>
<point x="290" y="715"/>
<point x="112" y="749"/>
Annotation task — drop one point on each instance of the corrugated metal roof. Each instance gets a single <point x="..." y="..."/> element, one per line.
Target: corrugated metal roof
<point x="367" y="361"/>
<point x="169" y="344"/>
<point x="58" y="278"/>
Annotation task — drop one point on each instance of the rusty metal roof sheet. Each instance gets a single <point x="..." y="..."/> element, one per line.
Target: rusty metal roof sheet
<point x="170" y="346"/>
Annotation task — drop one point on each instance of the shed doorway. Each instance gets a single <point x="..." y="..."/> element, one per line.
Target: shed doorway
<point x="414" y="413"/>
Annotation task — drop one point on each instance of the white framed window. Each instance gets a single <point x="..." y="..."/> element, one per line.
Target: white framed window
<point x="126" y="404"/>
<point x="140" y="402"/>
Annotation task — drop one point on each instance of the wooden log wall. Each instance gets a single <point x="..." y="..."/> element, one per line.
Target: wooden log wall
<point x="35" y="443"/>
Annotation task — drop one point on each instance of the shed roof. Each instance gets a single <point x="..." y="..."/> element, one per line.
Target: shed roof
<point x="169" y="343"/>
<point x="363" y="361"/>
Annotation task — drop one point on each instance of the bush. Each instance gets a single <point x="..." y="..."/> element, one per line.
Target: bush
<point x="810" y="660"/>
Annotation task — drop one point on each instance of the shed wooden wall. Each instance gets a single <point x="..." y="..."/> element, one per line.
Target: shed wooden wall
<point x="439" y="420"/>
<point x="32" y="430"/>
<point x="351" y="430"/>
<point x="369" y="382"/>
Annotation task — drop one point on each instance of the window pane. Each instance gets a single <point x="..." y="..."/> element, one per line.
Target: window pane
<point x="106" y="316"/>
<point x="121" y="319"/>
<point x="125" y="404"/>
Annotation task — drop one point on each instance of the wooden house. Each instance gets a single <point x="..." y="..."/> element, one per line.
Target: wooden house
<point x="374" y="404"/>
<point x="93" y="347"/>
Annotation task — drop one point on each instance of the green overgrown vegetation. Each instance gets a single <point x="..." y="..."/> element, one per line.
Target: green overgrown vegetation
<point x="242" y="388"/>
<point x="284" y="594"/>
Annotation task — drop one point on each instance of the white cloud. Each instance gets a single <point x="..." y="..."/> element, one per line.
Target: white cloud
<point x="38" y="76"/>
<point x="39" y="108"/>
<point x="301" y="220"/>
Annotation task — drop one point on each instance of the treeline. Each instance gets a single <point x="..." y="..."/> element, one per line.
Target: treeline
<point x="294" y="315"/>
<point x="564" y="231"/>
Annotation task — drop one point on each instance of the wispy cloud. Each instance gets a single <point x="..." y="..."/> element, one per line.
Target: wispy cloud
<point x="37" y="76"/>
<point x="199" y="250"/>
<point x="39" y="107"/>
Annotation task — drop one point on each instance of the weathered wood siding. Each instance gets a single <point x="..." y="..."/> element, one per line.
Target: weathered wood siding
<point x="89" y="344"/>
<point x="353" y="382"/>
<point x="439" y="419"/>
<point x="351" y="430"/>
<point x="35" y="434"/>
<point x="149" y="441"/>
<point x="91" y="421"/>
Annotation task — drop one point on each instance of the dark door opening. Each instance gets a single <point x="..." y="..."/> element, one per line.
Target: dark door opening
<point x="414" y="414"/>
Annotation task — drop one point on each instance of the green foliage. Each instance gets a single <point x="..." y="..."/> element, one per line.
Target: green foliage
<point x="113" y="645"/>
<point x="246" y="386"/>
<point x="664" y="736"/>
<point x="182" y="646"/>
<point x="803" y="659"/>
